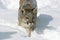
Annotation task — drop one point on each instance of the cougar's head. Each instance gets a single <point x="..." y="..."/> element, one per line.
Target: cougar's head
<point x="29" y="16"/>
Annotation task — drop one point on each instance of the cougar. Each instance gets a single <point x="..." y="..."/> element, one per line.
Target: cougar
<point x="27" y="15"/>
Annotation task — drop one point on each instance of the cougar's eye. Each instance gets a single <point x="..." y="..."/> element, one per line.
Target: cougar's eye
<point x="27" y="18"/>
<point x="22" y="11"/>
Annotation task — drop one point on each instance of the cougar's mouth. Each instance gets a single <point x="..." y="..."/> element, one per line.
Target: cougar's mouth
<point x="27" y="23"/>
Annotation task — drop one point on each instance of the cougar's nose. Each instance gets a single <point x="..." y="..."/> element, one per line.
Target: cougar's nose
<point x="31" y="20"/>
<point x="31" y="24"/>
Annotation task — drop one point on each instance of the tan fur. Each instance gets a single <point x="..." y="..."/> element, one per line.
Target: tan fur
<point x="20" y="2"/>
<point x="27" y="15"/>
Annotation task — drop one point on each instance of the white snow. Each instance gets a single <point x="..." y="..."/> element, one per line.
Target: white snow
<point x="48" y="22"/>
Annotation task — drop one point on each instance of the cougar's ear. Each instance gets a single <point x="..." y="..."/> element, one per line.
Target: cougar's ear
<point x="35" y="10"/>
<point x="23" y="11"/>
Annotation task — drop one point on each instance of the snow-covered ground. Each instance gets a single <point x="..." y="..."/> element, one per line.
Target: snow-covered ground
<point x="48" y="22"/>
